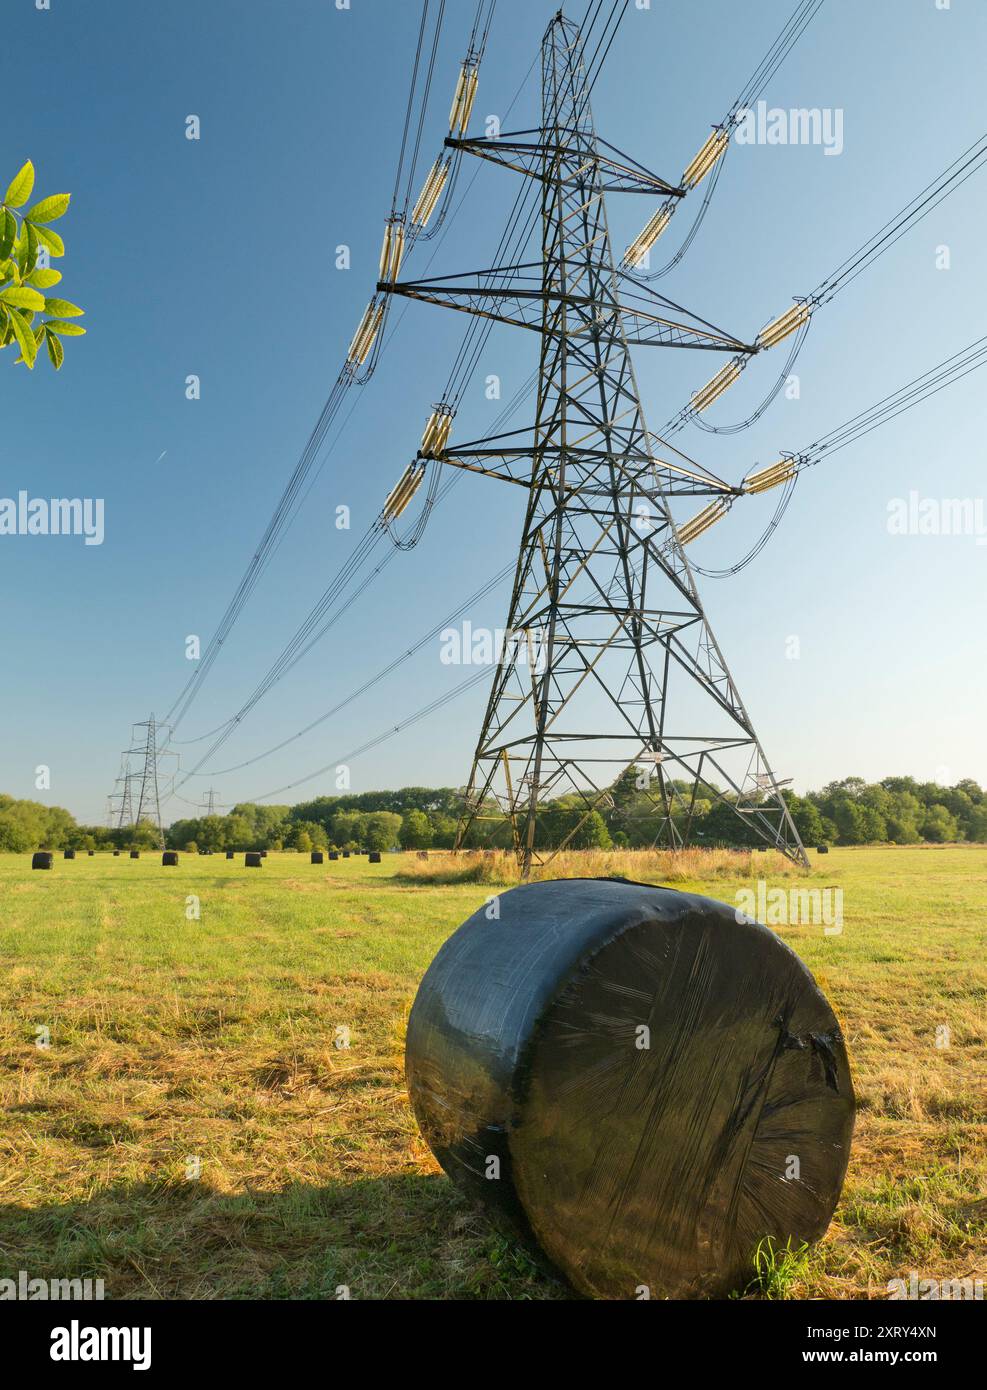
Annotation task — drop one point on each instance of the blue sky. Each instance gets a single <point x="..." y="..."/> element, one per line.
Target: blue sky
<point x="217" y="257"/>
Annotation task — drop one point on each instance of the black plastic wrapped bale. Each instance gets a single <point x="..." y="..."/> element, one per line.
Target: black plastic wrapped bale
<point x="374" y="856"/>
<point x="90" y="852"/>
<point x="263" y="854"/>
<point x="317" y="857"/>
<point x="333" y="854"/>
<point x="68" y="854"/>
<point x="42" y="859"/>
<point x="116" y="854"/>
<point x="170" y="858"/>
<point x="822" y="849"/>
<point x="638" y="1085"/>
<point x="231" y="854"/>
<point x="253" y="860"/>
<point x="346" y="854"/>
<point x="135" y="854"/>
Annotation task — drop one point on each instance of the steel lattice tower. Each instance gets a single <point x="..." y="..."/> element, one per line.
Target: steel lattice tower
<point x="149" y="803"/>
<point x="125" y="815"/>
<point x="609" y="656"/>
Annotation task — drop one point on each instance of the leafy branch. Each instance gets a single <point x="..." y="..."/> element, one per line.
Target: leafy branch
<point x="23" y="282"/>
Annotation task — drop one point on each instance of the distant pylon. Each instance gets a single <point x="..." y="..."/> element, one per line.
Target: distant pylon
<point x="149" y="802"/>
<point x="125" y="815"/>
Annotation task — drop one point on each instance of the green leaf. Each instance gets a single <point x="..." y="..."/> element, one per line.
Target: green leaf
<point x="8" y="233"/>
<point x="67" y="330"/>
<point x="49" y="209"/>
<point x="55" y="350"/>
<point x="62" y="308"/>
<point x="25" y="338"/>
<point x="43" y="278"/>
<point x="23" y="298"/>
<point x="51" y="239"/>
<point x="20" y="188"/>
<point x="27" y="249"/>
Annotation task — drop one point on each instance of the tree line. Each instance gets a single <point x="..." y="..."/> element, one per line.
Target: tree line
<point x="897" y="810"/>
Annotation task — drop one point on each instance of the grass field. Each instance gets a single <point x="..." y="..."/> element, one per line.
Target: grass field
<point x="208" y="1046"/>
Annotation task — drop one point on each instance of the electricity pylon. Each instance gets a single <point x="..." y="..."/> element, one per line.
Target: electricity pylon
<point x="609" y="658"/>
<point x="125" y="815"/>
<point x="149" y="802"/>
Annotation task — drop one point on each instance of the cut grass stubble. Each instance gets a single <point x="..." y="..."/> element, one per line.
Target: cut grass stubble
<point x="221" y="1112"/>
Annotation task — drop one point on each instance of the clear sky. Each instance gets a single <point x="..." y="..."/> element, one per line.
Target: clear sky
<point x="217" y="258"/>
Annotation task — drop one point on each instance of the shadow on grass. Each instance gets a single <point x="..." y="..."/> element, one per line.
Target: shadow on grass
<point x="401" y="1237"/>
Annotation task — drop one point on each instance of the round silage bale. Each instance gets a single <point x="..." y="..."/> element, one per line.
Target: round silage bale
<point x="42" y="859"/>
<point x="637" y="1084"/>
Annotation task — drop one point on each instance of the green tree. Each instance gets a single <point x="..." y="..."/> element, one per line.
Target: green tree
<point x="212" y="832"/>
<point x="443" y="830"/>
<point x="592" y="833"/>
<point x="144" y="835"/>
<point x="807" y="818"/>
<point x="850" y="824"/>
<point x="565" y="822"/>
<point x="28" y="825"/>
<point x="873" y="828"/>
<point x="416" y="831"/>
<point x="957" y="802"/>
<point x="976" y="826"/>
<point x="382" y="830"/>
<point x="311" y="831"/>
<point x="237" y="831"/>
<point x="903" y="817"/>
<point x="23" y="282"/>
<point x="939" y="826"/>
<point x="19" y="832"/>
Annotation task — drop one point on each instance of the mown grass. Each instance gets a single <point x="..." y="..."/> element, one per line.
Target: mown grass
<point x="208" y="1046"/>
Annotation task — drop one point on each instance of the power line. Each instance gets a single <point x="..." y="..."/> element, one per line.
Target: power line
<point x="779" y="50"/>
<point x="283" y="514"/>
<point x="368" y="685"/>
<point x="947" y="182"/>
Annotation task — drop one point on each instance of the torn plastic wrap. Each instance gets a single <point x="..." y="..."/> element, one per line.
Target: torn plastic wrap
<point x="636" y="1084"/>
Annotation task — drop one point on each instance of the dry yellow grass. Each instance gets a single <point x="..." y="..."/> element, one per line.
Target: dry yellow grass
<point x="640" y="866"/>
